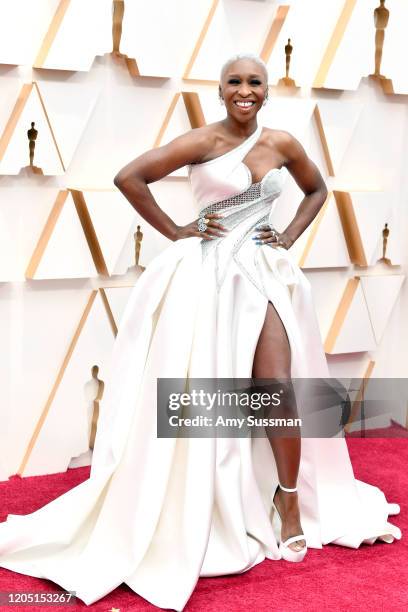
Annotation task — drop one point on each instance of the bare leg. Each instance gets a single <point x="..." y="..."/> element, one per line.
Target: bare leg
<point x="272" y="360"/>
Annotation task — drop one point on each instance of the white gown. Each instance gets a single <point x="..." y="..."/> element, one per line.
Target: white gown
<point x="159" y="513"/>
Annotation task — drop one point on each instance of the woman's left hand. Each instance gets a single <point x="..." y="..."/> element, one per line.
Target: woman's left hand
<point x="265" y="234"/>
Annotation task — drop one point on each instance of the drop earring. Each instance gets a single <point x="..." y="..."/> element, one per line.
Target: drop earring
<point x="221" y="99"/>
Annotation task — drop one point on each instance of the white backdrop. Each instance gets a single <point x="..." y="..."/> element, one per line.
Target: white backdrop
<point x="68" y="233"/>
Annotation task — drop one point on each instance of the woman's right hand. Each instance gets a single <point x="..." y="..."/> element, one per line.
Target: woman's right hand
<point x="214" y="229"/>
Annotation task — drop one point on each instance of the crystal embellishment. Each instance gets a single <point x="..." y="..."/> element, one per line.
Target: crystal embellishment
<point x="253" y="192"/>
<point x="247" y="209"/>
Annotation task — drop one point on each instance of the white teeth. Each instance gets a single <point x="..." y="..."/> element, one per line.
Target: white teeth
<point x="244" y="104"/>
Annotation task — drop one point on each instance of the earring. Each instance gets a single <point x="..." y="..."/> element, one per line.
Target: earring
<point x="221" y="99"/>
<point x="265" y="101"/>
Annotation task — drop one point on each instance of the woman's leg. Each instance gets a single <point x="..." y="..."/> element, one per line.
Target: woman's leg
<point x="272" y="360"/>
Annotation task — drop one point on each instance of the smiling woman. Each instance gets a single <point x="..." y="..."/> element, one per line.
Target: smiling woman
<point x="252" y="93"/>
<point x="215" y="304"/>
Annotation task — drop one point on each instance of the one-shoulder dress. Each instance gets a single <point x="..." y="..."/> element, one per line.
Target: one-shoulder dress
<point x="158" y="513"/>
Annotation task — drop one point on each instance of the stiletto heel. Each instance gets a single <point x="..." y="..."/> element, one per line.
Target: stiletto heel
<point x="286" y="553"/>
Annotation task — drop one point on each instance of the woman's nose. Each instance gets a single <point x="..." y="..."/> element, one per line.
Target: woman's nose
<point x="244" y="91"/>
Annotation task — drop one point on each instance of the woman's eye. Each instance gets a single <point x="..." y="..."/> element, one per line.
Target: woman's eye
<point x="253" y="82"/>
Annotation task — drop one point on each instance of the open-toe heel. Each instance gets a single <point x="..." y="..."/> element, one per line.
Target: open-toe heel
<point x="287" y="553"/>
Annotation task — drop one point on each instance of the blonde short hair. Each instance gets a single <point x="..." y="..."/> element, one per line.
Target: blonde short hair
<point x="238" y="56"/>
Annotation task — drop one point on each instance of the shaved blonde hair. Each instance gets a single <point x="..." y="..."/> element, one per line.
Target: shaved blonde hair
<point x="249" y="56"/>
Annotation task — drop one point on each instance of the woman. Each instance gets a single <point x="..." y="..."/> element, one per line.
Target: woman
<point x="158" y="512"/>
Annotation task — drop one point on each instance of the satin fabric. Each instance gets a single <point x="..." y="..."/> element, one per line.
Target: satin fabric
<point x="159" y="513"/>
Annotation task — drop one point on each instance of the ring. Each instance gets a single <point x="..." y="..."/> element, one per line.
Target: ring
<point x="202" y="224"/>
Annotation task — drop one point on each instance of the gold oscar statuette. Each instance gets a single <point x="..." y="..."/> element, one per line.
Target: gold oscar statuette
<point x="385" y="234"/>
<point x="286" y="81"/>
<point x="118" y="10"/>
<point x="381" y="17"/>
<point x="95" y="411"/>
<point x="93" y="392"/>
<point x="32" y="134"/>
<point x="138" y="237"/>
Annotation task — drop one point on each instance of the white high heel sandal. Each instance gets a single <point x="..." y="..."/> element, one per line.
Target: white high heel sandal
<point x="287" y="553"/>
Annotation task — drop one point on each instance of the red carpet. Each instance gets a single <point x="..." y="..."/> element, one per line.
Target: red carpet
<point x="335" y="578"/>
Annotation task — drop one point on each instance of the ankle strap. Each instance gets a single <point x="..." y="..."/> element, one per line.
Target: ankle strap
<point x="288" y="490"/>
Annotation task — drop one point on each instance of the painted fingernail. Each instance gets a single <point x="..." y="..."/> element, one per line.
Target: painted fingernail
<point x="258" y="242"/>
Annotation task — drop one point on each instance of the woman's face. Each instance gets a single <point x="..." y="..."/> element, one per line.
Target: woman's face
<point x="243" y="87"/>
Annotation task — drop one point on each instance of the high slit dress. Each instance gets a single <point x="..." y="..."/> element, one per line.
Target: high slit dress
<point x="158" y="513"/>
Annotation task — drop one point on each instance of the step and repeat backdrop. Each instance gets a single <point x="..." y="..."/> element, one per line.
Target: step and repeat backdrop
<point x="88" y="85"/>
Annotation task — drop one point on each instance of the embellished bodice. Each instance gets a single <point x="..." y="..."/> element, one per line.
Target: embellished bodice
<point x="227" y="175"/>
<point x="224" y="185"/>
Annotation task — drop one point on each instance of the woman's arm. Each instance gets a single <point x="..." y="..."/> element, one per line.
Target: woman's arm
<point x="310" y="181"/>
<point x="153" y="165"/>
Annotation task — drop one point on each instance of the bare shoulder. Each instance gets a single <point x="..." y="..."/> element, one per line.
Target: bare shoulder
<point x="194" y="144"/>
<point x="294" y="157"/>
<point x="287" y="145"/>
<point x="202" y="140"/>
<point x="156" y="163"/>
